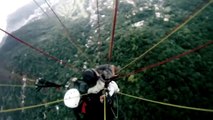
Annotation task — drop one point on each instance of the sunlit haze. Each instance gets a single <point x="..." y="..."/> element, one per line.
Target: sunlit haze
<point x="6" y="8"/>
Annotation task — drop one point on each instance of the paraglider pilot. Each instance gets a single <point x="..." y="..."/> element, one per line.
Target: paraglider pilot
<point x="96" y="83"/>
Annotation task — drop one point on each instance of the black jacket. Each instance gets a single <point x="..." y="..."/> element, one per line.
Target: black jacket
<point x="90" y="108"/>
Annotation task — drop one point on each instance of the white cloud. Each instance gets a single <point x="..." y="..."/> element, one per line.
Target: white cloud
<point x="7" y="7"/>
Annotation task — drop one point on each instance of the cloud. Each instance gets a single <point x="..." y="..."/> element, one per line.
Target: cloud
<point x="6" y="8"/>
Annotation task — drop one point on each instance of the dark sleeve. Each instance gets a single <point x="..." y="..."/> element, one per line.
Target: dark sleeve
<point x="81" y="86"/>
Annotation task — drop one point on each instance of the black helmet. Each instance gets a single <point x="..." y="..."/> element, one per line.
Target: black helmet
<point x="90" y="77"/>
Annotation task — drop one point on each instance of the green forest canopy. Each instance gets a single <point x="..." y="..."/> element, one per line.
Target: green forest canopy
<point x="186" y="81"/>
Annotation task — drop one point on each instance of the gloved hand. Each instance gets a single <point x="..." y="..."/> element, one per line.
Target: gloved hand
<point x="113" y="88"/>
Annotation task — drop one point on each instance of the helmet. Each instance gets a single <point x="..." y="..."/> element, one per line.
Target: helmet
<point x="90" y="77"/>
<point x="72" y="98"/>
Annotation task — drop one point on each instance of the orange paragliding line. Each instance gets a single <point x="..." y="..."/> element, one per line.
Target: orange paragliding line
<point x="39" y="50"/>
<point x="113" y="30"/>
<point x="168" y="59"/>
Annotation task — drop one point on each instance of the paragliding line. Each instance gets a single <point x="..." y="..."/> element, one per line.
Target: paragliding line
<point x="98" y="27"/>
<point x="8" y="85"/>
<point x="34" y="106"/>
<point x="113" y="30"/>
<point x="104" y="107"/>
<point x="41" y="8"/>
<point x="169" y="59"/>
<point x="67" y="31"/>
<point x="167" y="36"/>
<point x="167" y="104"/>
<point x="39" y="50"/>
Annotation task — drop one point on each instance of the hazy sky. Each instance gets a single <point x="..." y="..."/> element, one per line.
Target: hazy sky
<point x="7" y="7"/>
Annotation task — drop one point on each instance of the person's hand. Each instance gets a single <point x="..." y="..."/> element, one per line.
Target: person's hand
<point x="102" y="98"/>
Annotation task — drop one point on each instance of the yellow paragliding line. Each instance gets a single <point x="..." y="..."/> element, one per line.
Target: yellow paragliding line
<point x="167" y="104"/>
<point x="104" y="107"/>
<point x="35" y="106"/>
<point x="166" y="37"/>
<point x="8" y="85"/>
<point x="30" y="107"/>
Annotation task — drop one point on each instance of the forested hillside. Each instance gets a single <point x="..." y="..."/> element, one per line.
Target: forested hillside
<point x="140" y="24"/>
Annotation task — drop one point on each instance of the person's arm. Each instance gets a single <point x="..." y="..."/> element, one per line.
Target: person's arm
<point x="97" y="88"/>
<point x="113" y="69"/>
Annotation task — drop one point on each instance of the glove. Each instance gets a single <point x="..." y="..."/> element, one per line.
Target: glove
<point x="113" y="88"/>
